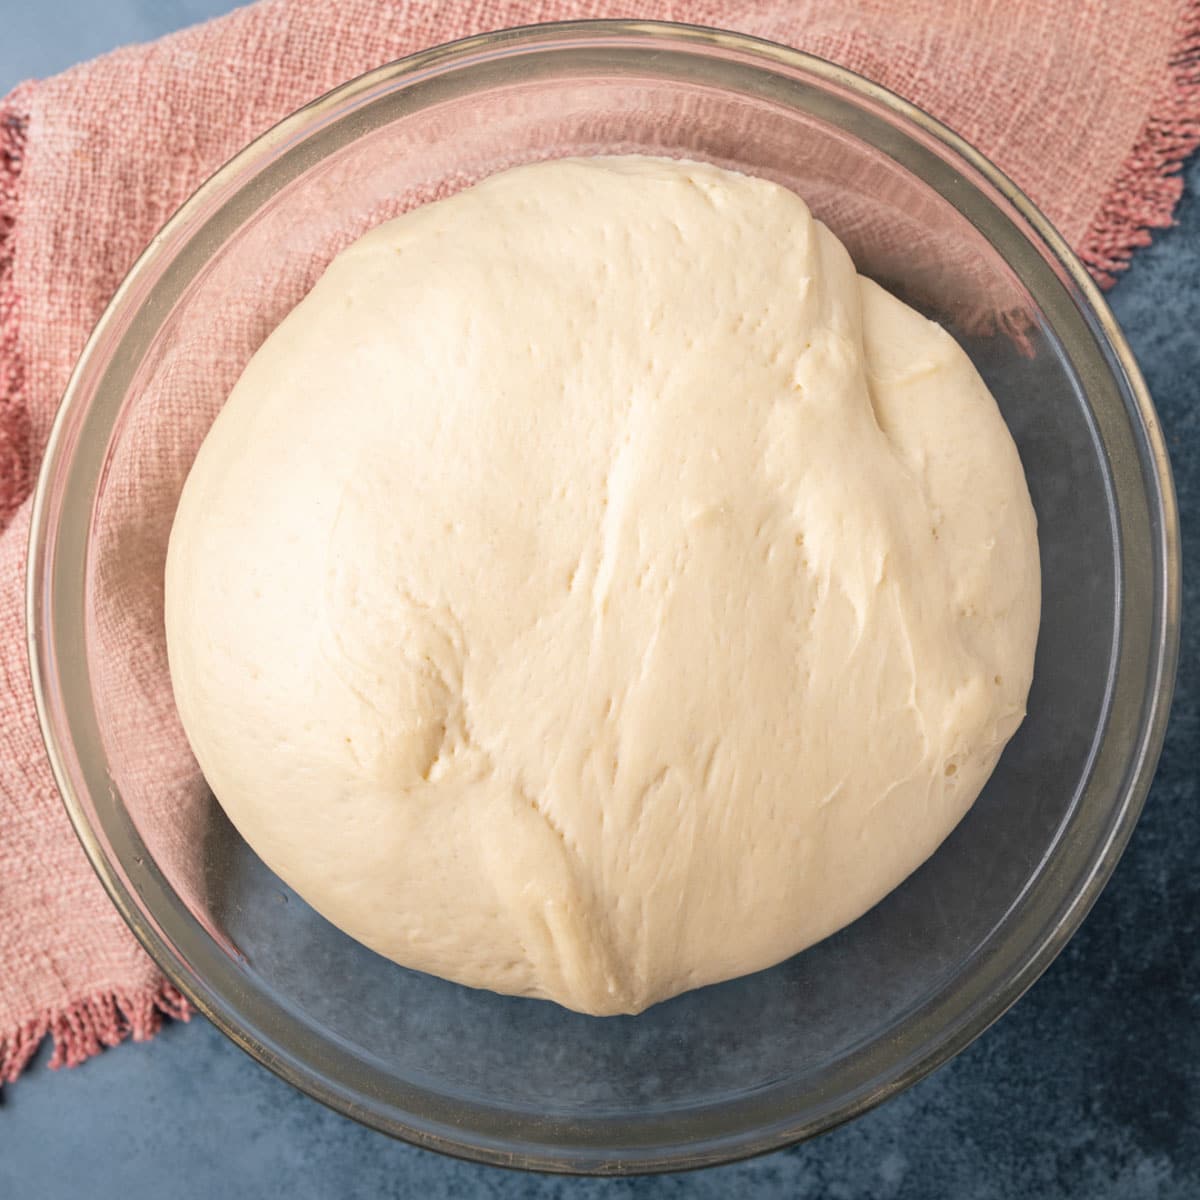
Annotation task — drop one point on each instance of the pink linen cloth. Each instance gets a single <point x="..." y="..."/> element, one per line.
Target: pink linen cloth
<point x="1089" y="107"/>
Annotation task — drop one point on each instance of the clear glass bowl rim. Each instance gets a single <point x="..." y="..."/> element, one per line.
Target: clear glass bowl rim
<point x="53" y="646"/>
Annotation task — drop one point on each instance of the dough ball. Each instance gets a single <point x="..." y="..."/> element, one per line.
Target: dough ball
<point x="595" y="588"/>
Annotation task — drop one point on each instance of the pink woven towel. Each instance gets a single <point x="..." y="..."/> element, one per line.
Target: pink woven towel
<point x="1090" y="107"/>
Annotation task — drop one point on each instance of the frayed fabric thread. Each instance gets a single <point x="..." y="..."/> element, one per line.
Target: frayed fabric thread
<point x="1150" y="184"/>
<point x="89" y="1025"/>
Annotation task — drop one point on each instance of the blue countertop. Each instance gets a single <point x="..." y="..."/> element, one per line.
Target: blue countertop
<point x="1089" y="1088"/>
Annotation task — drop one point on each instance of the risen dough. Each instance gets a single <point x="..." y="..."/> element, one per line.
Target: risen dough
<point x="595" y="588"/>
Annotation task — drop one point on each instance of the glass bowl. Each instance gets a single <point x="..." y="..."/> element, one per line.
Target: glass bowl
<point x="726" y="1071"/>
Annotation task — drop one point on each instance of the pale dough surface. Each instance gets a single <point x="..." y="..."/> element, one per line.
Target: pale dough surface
<point x="594" y="588"/>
